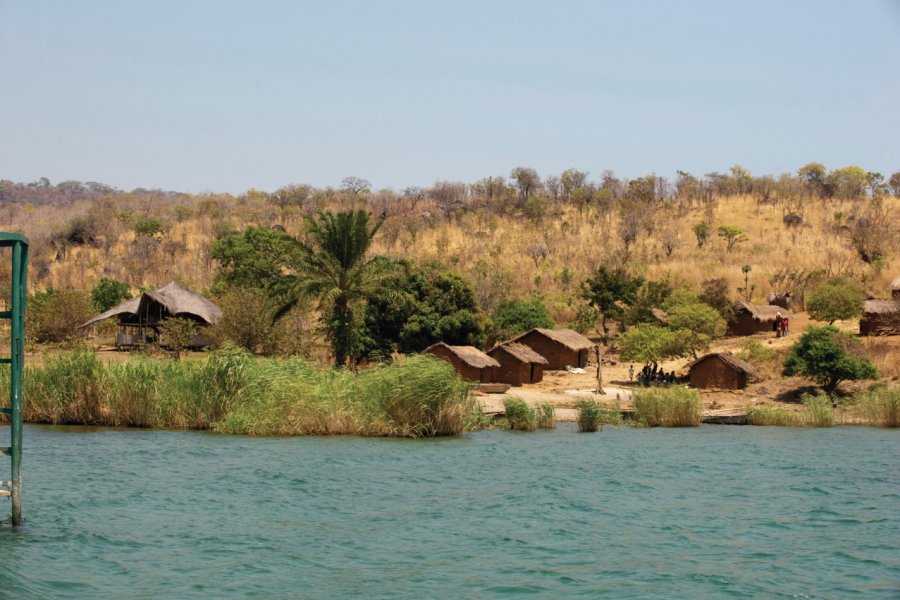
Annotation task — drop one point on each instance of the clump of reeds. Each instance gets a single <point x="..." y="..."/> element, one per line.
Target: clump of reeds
<point x="546" y="416"/>
<point x="590" y="415"/>
<point x="519" y="415"/>
<point x="668" y="407"/>
<point x="880" y="406"/>
<point x="773" y="416"/>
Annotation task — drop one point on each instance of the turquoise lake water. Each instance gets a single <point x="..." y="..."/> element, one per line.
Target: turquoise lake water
<point x="713" y="512"/>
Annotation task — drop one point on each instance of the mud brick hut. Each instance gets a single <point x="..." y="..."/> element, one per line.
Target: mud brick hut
<point x="139" y="318"/>
<point x="721" y="371"/>
<point x="754" y="318"/>
<point x="518" y="364"/>
<point x="561" y="347"/>
<point x="471" y="363"/>
<point x="783" y="299"/>
<point x="880" y="317"/>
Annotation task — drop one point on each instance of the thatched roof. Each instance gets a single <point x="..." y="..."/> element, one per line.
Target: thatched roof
<point x="470" y="355"/>
<point x="568" y="338"/>
<point x="521" y="352"/>
<point x="762" y="312"/>
<point x="895" y="284"/>
<point x="177" y="300"/>
<point x="881" y="307"/>
<point x="729" y="359"/>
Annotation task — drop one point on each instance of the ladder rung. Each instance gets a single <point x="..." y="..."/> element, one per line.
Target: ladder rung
<point x="7" y="451"/>
<point x="5" y="493"/>
<point x="5" y="314"/>
<point x="5" y="361"/>
<point x="5" y="411"/>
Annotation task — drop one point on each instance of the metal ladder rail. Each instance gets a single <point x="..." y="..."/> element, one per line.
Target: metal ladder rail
<point x="16" y="315"/>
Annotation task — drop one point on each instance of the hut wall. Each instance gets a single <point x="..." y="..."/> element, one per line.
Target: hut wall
<point x="880" y="324"/>
<point x="536" y="373"/>
<point x="556" y="354"/>
<point x="467" y="372"/>
<point x="716" y="374"/>
<point x="512" y="371"/>
<point x="745" y="324"/>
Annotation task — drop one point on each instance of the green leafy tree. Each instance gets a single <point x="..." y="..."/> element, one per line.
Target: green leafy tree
<point x="829" y="357"/>
<point x="424" y="305"/>
<point x="847" y="182"/>
<point x="258" y="257"/>
<point x="651" y="295"/>
<point x="336" y="270"/>
<point x="109" y="293"/>
<point x="695" y="326"/>
<point x="836" y="300"/>
<point x="813" y="177"/>
<point x="518" y="316"/>
<point x="733" y="235"/>
<point x="611" y="293"/>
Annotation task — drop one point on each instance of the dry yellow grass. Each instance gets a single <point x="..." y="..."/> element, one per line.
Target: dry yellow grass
<point x="503" y="255"/>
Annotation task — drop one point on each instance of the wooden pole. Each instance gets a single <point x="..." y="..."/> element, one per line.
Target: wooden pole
<point x="599" y="369"/>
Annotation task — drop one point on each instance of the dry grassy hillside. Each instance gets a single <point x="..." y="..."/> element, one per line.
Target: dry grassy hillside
<point x="504" y="253"/>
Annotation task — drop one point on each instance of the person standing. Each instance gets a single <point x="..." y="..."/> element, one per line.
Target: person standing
<point x="630" y="372"/>
<point x="785" y="327"/>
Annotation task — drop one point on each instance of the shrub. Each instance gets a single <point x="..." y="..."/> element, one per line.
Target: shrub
<point x="149" y="227"/>
<point x="519" y="415"/>
<point x="54" y="315"/>
<point x="668" y="407"/>
<point x="176" y="334"/>
<point x="769" y="416"/>
<point x="590" y="416"/>
<point x="820" y="411"/>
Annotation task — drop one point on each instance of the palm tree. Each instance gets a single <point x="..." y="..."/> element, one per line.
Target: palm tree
<point x="336" y="271"/>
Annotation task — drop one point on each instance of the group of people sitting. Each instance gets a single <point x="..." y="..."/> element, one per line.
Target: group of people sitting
<point x="652" y="375"/>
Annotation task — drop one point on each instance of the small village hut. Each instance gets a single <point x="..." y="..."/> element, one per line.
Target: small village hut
<point x="880" y="317"/>
<point x="895" y="289"/>
<point x="721" y="371"/>
<point x="518" y="364"/>
<point x="782" y="299"/>
<point x="560" y="347"/>
<point x="754" y="318"/>
<point x="139" y="318"/>
<point x="471" y="363"/>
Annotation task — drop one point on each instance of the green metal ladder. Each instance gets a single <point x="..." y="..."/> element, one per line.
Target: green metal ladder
<point x="18" y="244"/>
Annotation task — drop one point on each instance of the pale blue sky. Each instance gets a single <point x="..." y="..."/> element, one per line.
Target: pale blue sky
<point x="224" y="96"/>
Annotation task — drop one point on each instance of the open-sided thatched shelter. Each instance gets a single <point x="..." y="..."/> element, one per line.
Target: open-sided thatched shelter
<point x="721" y="371"/>
<point x="471" y="363"/>
<point x="518" y="364"/>
<point x="880" y="317"/>
<point x="561" y="347"/>
<point x="754" y="318"/>
<point x="139" y="318"/>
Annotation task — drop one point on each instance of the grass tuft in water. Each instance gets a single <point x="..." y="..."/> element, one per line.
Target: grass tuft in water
<point x="590" y="416"/>
<point x="519" y="415"/>
<point x="546" y="416"/>
<point x="667" y="407"/>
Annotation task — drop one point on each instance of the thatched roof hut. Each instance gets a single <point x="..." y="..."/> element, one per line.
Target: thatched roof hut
<point x="518" y="364"/>
<point x="754" y="318"/>
<point x="561" y="347"/>
<point x="139" y="317"/>
<point x="471" y="363"/>
<point x="880" y="317"/>
<point x="721" y="370"/>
